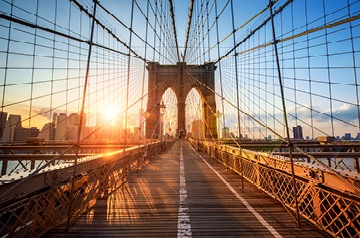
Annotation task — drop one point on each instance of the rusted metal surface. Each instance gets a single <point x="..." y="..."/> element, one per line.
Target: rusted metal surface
<point x="329" y="200"/>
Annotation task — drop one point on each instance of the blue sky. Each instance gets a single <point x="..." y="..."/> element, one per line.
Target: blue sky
<point x="323" y="63"/>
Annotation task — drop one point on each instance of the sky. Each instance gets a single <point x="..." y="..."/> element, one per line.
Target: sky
<point x="44" y="73"/>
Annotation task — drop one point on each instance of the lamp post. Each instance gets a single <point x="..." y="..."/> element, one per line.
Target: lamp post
<point x="162" y="108"/>
<point x="218" y="114"/>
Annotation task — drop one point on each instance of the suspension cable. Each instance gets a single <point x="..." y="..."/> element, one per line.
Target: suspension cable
<point x="188" y="27"/>
<point x="174" y="28"/>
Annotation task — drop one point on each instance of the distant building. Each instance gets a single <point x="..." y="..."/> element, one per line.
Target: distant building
<point x="347" y="136"/>
<point x="298" y="133"/>
<point x="22" y="134"/>
<point x="73" y="120"/>
<point x="226" y="132"/>
<point x="13" y="123"/>
<point x="72" y="127"/>
<point x="48" y="132"/>
<point x="3" y="117"/>
<point x="326" y="139"/>
<point x="72" y="133"/>
<point x="61" y="127"/>
<point x="54" y="118"/>
<point x="14" y="131"/>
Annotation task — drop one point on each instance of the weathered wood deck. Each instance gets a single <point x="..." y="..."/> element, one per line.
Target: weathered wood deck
<point x="159" y="202"/>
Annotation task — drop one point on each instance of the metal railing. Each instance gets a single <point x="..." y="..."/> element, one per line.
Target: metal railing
<point x="54" y="197"/>
<point x="330" y="202"/>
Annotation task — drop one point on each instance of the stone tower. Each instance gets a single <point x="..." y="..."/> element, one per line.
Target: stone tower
<point x="181" y="78"/>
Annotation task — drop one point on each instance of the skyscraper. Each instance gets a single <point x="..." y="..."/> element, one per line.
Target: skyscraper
<point x="54" y="118"/>
<point x="48" y="131"/>
<point x="3" y="117"/>
<point x="298" y="133"/>
<point x="61" y="127"/>
<point x="12" y="124"/>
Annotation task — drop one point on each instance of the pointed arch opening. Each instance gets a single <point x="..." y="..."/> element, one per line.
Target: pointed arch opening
<point x="169" y="124"/>
<point x="194" y="114"/>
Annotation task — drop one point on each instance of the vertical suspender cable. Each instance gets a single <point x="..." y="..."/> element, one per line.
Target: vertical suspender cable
<point x="237" y="91"/>
<point x="53" y="67"/>
<point x="144" y="71"/>
<point x="294" y="190"/>
<point x="162" y="41"/>
<point x="294" y="63"/>
<point x="68" y="64"/>
<point x="354" y="65"/>
<point x="33" y="68"/>
<point x="81" y="114"/>
<point x="309" y="70"/>
<point x="208" y="30"/>
<point x="155" y="31"/>
<point x="127" y="91"/>
<point x="220" y="73"/>
<point x="6" y="72"/>
<point x="202" y="32"/>
<point x="141" y="125"/>
<point x="328" y="70"/>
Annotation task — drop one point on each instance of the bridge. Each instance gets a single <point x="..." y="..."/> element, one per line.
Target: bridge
<point x="165" y="118"/>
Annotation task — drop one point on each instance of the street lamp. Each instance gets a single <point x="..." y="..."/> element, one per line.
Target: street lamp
<point x="162" y="108"/>
<point x="218" y="114"/>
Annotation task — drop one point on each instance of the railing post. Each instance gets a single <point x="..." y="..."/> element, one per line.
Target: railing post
<point x="213" y="153"/>
<point x="258" y="177"/>
<point x="241" y="169"/>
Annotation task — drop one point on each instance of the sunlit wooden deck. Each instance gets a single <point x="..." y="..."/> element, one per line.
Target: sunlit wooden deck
<point x="148" y="206"/>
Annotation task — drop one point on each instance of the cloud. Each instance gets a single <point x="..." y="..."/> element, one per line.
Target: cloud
<point x="45" y="112"/>
<point x="347" y="113"/>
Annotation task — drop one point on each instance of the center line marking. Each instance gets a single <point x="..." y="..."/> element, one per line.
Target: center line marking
<point x="247" y="205"/>
<point x="184" y="226"/>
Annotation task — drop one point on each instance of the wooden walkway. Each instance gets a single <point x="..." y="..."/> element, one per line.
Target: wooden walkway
<point x="181" y="196"/>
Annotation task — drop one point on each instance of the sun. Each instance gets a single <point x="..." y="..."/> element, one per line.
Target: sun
<point x="110" y="112"/>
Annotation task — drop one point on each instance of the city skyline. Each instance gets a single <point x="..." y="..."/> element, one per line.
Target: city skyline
<point x="64" y="127"/>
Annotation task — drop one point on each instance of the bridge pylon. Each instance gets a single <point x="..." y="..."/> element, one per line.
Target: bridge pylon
<point x="181" y="78"/>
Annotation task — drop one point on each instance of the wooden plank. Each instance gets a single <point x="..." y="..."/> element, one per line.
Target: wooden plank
<point x="148" y="205"/>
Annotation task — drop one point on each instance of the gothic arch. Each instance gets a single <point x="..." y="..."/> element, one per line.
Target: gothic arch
<point x="194" y="113"/>
<point x="181" y="78"/>
<point x="170" y="100"/>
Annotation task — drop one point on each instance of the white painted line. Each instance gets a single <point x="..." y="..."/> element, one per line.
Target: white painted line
<point x="247" y="205"/>
<point x="184" y="226"/>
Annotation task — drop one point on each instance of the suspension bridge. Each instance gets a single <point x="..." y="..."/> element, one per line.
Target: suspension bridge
<point x="165" y="118"/>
